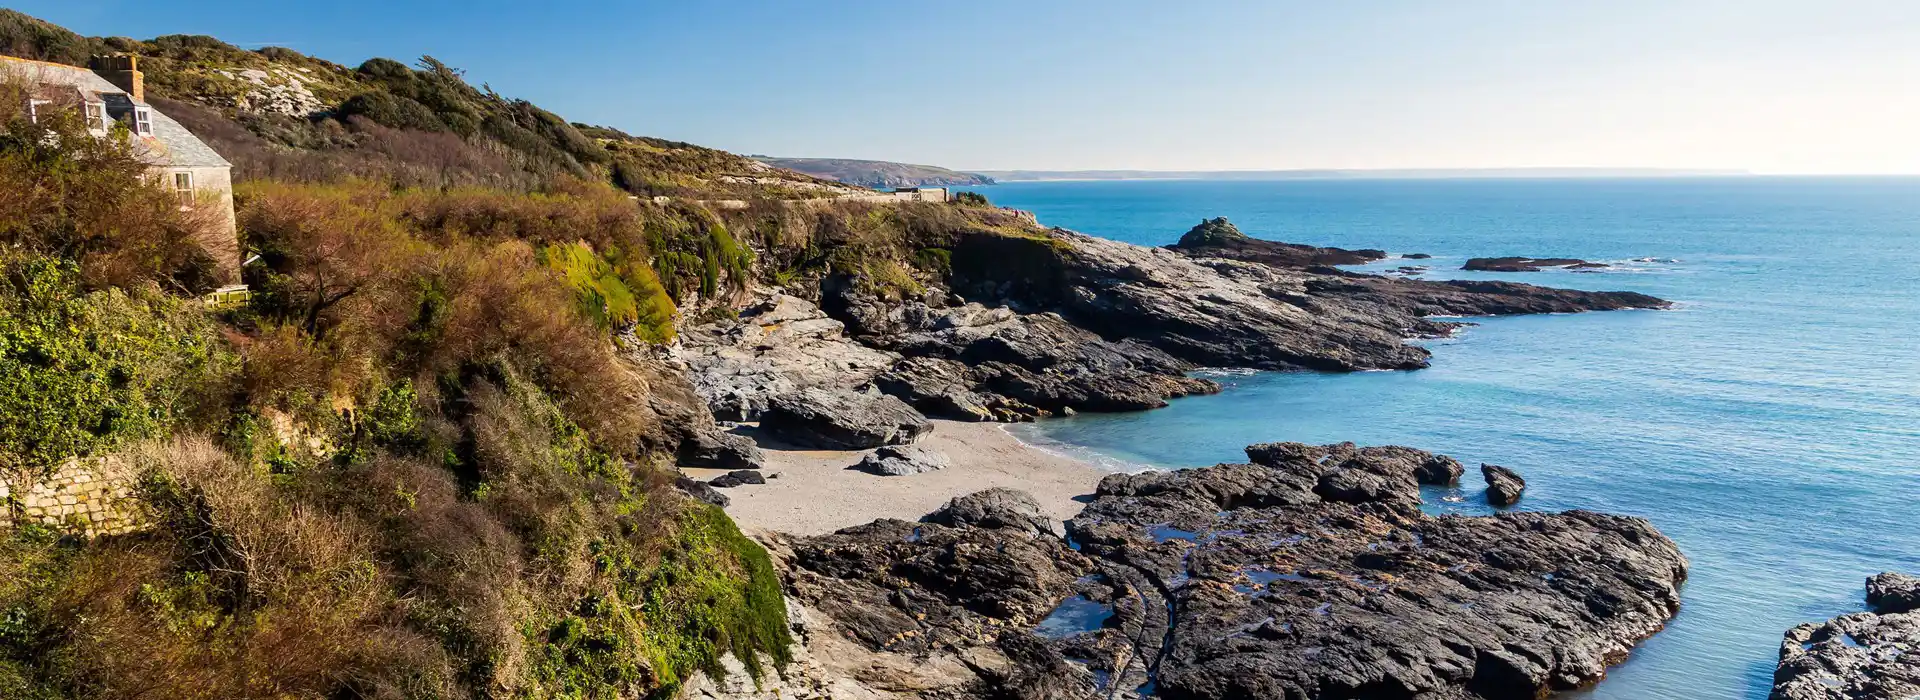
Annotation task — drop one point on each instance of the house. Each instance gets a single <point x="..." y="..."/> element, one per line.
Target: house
<point x="921" y="194"/>
<point x="112" y="90"/>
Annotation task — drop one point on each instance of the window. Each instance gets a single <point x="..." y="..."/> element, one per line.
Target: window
<point x="33" y="109"/>
<point x="97" y="116"/>
<point x="143" y="121"/>
<point x="183" y="188"/>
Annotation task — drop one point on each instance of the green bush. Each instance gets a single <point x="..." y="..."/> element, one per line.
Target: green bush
<point x="85" y="372"/>
<point x="390" y="110"/>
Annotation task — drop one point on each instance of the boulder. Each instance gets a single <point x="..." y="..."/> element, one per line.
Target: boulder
<point x="713" y="449"/>
<point x="997" y="507"/>
<point x="1416" y="256"/>
<point x="1504" y="485"/>
<point x="1894" y="593"/>
<point x="702" y="491"/>
<point x="902" y="460"/>
<point x="742" y="477"/>
<point x="842" y="420"/>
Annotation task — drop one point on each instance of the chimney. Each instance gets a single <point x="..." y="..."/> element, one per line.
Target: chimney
<point x="124" y="72"/>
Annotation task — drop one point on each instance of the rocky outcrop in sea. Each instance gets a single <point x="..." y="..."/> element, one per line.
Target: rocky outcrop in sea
<point x="1862" y="656"/>
<point x="1029" y="326"/>
<point x="1309" y="572"/>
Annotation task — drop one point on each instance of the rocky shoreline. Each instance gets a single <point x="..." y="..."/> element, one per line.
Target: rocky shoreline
<point x="1862" y="656"/>
<point x="1308" y="572"/>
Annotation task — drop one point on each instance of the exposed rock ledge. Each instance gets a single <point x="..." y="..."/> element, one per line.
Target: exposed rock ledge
<point x="1309" y="573"/>
<point x="1061" y="322"/>
<point x="1863" y="656"/>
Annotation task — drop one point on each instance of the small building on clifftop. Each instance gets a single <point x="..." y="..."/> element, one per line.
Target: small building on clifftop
<point x="112" y="91"/>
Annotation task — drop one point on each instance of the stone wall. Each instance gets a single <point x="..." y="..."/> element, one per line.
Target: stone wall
<point x="82" y="497"/>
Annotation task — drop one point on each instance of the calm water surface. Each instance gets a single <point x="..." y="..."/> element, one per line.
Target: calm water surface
<point x="1770" y="425"/>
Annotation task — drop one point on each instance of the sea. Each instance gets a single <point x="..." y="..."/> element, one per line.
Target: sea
<point x="1769" y="423"/>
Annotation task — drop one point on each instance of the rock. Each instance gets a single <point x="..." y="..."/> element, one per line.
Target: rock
<point x="1416" y="256"/>
<point x="1894" y="593"/>
<point x="742" y="477"/>
<point x="842" y="420"/>
<point x="1219" y="238"/>
<point x="903" y="460"/>
<point x="1247" y="581"/>
<point x="702" y="491"/>
<point x="1862" y="656"/>
<point x="1525" y="264"/>
<point x="779" y="345"/>
<point x="973" y="362"/>
<point x="1215" y="312"/>
<point x="712" y="449"/>
<point x="997" y="507"/>
<point x="1504" y="485"/>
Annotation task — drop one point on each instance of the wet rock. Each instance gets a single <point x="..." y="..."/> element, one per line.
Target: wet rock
<point x="1894" y="593"/>
<point x="713" y="449"/>
<point x="1525" y="264"/>
<point x="842" y="420"/>
<point x="1416" y="256"/>
<point x="1862" y="656"/>
<point x="742" y="477"/>
<point x="1504" y="485"/>
<point x="702" y="491"/>
<point x="997" y="507"/>
<point x="903" y="460"/>
<point x="1245" y="581"/>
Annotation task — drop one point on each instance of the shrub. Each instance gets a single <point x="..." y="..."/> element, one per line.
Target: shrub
<point x="85" y="372"/>
<point x="388" y="109"/>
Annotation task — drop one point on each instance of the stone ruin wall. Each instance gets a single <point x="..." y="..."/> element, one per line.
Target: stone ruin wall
<point x="89" y="498"/>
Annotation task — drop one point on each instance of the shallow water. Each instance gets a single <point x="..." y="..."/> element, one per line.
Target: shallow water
<point x="1770" y="425"/>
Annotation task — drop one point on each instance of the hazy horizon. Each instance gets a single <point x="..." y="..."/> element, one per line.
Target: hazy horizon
<point x="1765" y="86"/>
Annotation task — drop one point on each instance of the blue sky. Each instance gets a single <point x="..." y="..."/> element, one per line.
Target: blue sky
<point x="1791" y="86"/>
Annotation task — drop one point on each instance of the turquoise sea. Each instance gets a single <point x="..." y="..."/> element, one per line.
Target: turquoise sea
<point x="1770" y="424"/>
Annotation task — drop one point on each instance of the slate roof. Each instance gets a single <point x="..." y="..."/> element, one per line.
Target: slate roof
<point x="171" y="144"/>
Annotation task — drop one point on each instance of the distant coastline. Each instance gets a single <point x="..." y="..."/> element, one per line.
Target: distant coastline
<point x="1330" y="174"/>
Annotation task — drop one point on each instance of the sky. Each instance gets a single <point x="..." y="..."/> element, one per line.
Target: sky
<point x="1772" y="86"/>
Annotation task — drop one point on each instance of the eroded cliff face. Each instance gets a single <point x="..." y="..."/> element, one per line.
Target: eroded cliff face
<point x="1309" y="572"/>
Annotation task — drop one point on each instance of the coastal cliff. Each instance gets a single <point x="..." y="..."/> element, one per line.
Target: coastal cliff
<point x="440" y="448"/>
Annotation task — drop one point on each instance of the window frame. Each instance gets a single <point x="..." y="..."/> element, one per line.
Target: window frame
<point x="96" y="113"/>
<point x="143" y="121"/>
<point x="183" y="188"/>
<point x="33" y="109"/>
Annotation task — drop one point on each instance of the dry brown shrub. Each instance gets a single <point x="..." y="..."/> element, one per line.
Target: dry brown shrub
<point x="240" y="593"/>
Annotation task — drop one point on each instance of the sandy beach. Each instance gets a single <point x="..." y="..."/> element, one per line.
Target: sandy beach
<point x="816" y="492"/>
